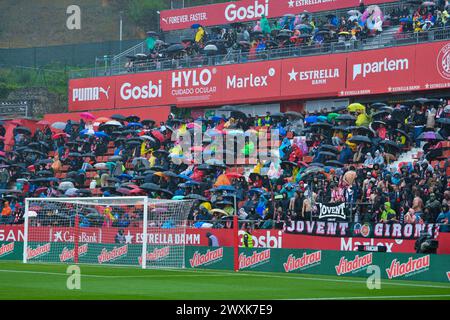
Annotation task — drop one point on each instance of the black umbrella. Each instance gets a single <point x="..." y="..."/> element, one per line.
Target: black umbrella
<point x="150" y="187"/>
<point x="390" y="144"/>
<point x="329" y="148"/>
<point x="375" y="124"/>
<point x="161" y="153"/>
<point x="334" y="163"/>
<point x="118" y="117"/>
<point x="288" y="164"/>
<point x="345" y="117"/>
<point x="22" y="130"/>
<point x="380" y="114"/>
<point x="321" y="125"/>
<point x="327" y="154"/>
<point x="194" y="196"/>
<point x="115" y="158"/>
<point x="377" y="105"/>
<point x="341" y="128"/>
<point x="175" y="48"/>
<point x="403" y="133"/>
<point x="44" y="173"/>
<point x="132" y="118"/>
<point x="360" y="139"/>
<point x="75" y="154"/>
<point x="170" y="174"/>
<point x="148" y="122"/>
<point x="444" y="121"/>
<point x="238" y="114"/>
<point x="205" y="167"/>
<point x="44" y="161"/>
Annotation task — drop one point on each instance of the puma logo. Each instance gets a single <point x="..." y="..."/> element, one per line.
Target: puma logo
<point x="106" y="92"/>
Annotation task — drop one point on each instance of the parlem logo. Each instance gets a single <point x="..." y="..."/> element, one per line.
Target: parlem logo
<point x="443" y="62"/>
<point x="89" y="94"/>
<point x="256" y="10"/>
<point x="385" y="65"/>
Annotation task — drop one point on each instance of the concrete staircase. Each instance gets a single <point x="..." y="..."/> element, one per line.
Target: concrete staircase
<point x="408" y="157"/>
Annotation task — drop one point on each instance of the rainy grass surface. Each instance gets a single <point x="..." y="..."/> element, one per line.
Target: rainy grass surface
<point x="47" y="281"/>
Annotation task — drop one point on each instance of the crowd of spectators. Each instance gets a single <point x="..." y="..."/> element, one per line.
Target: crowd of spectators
<point x="346" y="155"/>
<point x="305" y="30"/>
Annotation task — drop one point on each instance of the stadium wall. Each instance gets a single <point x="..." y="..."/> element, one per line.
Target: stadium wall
<point x="410" y="68"/>
<point x="393" y="266"/>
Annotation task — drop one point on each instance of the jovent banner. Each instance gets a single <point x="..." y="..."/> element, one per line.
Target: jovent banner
<point x="408" y="68"/>
<point x="249" y="10"/>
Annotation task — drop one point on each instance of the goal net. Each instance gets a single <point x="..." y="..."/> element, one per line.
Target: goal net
<point x="107" y="230"/>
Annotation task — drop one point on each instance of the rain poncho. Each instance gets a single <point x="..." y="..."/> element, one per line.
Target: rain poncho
<point x="378" y="158"/>
<point x="362" y="120"/>
<point x="222" y="180"/>
<point x="388" y="213"/>
<point x="369" y="160"/>
<point x="265" y="26"/>
<point x="199" y="35"/>
<point x="274" y="171"/>
<point x="284" y="145"/>
<point x="150" y="42"/>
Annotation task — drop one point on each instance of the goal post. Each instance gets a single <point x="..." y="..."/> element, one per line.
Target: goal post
<point x="133" y="231"/>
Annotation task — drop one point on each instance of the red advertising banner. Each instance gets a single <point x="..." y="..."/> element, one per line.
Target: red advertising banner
<point x="391" y="70"/>
<point x="432" y="68"/>
<point x="313" y="76"/>
<point x="249" y="10"/>
<point x="197" y="237"/>
<point x="368" y="71"/>
<point x="91" y="93"/>
<point x="199" y="86"/>
<point x="251" y="81"/>
<point x="141" y="89"/>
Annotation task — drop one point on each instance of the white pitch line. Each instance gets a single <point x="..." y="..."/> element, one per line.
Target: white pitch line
<point x="376" y="297"/>
<point x="110" y="276"/>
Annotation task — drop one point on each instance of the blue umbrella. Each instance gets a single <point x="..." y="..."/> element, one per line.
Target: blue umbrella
<point x="86" y="132"/>
<point x="101" y="134"/>
<point x="255" y="190"/>
<point x="135" y="124"/>
<point x="407" y="19"/>
<point x="124" y="176"/>
<point x="195" y="26"/>
<point x="322" y="119"/>
<point x="216" y="118"/>
<point x="311" y="119"/>
<point x="226" y="188"/>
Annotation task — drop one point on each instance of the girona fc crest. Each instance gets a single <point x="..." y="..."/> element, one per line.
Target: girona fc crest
<point x="443" y="61"/>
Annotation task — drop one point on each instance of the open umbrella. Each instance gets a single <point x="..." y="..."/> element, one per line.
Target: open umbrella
<point x="389" y="144"/>
<point x="22" y="130"/>
<point x="360" y="139"/>
<point x="58" y="125"/>
<point x="87" y="116"/>
<point x="345" y="117"/>
<point x="430" y="136"/>
<point x="356" y="107"/>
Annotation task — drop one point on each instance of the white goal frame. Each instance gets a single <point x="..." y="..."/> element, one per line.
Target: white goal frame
<point x="146" y="201"/>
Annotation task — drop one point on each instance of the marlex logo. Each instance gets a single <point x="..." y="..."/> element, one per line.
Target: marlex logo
<point x="398" y="269"/>
<point x="233" y="12"/>
<point x="385" y="65"/>
<point x="250" y="81"/>
<point x="148" y="91"/>
<point x="443" y="61"/>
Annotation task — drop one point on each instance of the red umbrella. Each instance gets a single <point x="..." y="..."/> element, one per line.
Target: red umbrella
<point x="61" y="134"/>
<point x="234" y="175"/>
<point x="44" y="123"/>
<point x="158" y="135"/>
<point x="87" y="116"/>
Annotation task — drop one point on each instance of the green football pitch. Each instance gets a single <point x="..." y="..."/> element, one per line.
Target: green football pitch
<point x="45" y="281"/>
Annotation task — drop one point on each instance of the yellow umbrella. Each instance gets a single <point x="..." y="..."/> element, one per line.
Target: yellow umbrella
<point x="219" y="212"/>
<point x="356" y="107"/>
<point x="206" y="205"/>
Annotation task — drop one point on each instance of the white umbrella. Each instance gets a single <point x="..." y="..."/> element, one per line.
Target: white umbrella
<point x="65" y="185"/>
<point x="58" y="125"/>
<point x="100" y="166"/>
<point x="114" y="123"/>
<point x="71" y="192"/>
<point x="353" y="13"/>
<point x="31" y="214"/>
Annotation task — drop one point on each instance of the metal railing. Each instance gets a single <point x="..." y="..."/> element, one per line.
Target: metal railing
<point x="239" y="56"/>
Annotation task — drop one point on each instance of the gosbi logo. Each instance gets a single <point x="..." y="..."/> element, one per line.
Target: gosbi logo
<point x="385" y="65"/>
<point x="156" y="254"/>
<point x="38" y="251"/>
<point x="6" y="249"/>
<point x="208" y="257"/>
<point x="398" y="269"/>
<point x="115" y="253"/>
<point x="251" y="81"/>
<point x="89" y="94"/>
<point x="233" y="12"/>
<point x="150" y="90"/>
<point x="443" y="61"/>
<point x="346" y="266"/>
<point x="306" y="260"/>
<point x="67" y="254"/>
<point x="253" y="260"/>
